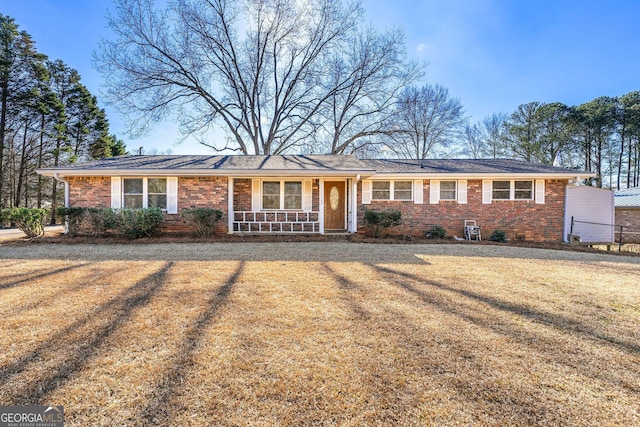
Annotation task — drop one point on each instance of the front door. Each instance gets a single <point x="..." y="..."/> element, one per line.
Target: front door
<point x="334" y="205"/>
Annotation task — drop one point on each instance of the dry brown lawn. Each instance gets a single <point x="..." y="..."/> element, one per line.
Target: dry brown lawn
<point x="330" y="333"/>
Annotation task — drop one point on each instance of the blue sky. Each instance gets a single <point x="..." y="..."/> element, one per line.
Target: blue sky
<point x="491" y="54"/>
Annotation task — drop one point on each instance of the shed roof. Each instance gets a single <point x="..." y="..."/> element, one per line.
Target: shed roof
<point x="628" y="198"/>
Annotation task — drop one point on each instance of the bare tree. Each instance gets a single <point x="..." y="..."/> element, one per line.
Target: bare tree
<point x="427" y="118"/>
<point x="272" y="74"/>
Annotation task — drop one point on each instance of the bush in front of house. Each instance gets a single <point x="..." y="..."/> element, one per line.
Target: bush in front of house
<point x="498" y="236"/>
<point x="203" y="220"/>
<point x="437" y="232"/>
<point x="73" y="217"/>
<point x="29" y="220"/>
<point x="378" y="221"/>
<point x="99" y="220"/>
<point x="137" y="223"/>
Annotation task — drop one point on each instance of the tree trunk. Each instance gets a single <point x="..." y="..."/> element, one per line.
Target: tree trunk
<point x="40" y="155"/>
<point x="21" y="168"/>
<point x="4" y="96"/>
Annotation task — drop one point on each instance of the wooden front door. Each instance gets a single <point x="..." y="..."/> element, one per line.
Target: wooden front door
<point x="334" y="205"/>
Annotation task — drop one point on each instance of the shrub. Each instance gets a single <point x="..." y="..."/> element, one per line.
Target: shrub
<point x="29" y="220"/>
<point x="498" y="236"/>
<point x="99" y="220"/>
<point x="136" y="223"/>
<point x="437" y="232"/>
<point x="203" y="219"/>
<point x="378" y="221"/>
<point x="73" y="217"/>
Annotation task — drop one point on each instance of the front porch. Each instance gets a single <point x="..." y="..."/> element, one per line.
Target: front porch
<point x="324" y="206"/>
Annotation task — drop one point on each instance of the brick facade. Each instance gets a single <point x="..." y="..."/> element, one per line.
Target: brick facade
<point x="90" y="191"/>
<point x="521" y="220"/>
<point x="630" y="219"/>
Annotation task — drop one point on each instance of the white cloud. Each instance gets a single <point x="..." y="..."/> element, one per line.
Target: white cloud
<point x="423" y="47"/>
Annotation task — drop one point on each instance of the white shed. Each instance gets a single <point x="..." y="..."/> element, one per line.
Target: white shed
<point x="593" y="213"/>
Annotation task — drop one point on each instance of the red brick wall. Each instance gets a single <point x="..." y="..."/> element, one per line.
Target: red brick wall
<point x="90" y="191"/>
<point x="200" y="192"/>
<point x="241" y="195"/>
<point x="521" y="220"/>
<point x="630" y="219"/>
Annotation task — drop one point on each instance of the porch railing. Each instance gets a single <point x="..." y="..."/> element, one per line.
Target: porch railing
<point x="276" y="222"/>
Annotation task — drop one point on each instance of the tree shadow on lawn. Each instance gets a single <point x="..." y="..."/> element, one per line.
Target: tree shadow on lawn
<point x="576" y="358"/>
<point x="415" y="356"/>
<point x="561" y="323"/>
<point x="11" y="281"/>
<point x="159" y="409"/>
<point x="62" y="294"/>
<point x="76" y="344"/>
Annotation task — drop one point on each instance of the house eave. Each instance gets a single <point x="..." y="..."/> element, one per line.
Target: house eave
<point x="470" y="176"/>
<point x="364" y="173"/>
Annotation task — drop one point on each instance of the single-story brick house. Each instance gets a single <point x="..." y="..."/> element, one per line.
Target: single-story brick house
<point x="329" y="193"/>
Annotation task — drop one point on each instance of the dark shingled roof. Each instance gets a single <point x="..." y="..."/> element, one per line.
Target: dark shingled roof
<point x="310" y="165"/>
<point x="461" y="166"/>
<point x="222" y="162"/>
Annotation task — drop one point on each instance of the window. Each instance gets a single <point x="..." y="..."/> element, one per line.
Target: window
<point x="512" y="190"/>
<point x="278" y="195"/>
<point x="144" y="193"/>
<point x="293" y="195"/>
<point x="447" y="190"/>
<point x="381" y="190"/>
<point x="523" y="190"/>
<point x="402" y="190"/>
<point x="157" y="193"/>
<point x="391" y="190"/>
<point x="132" y="193"/>
<point x="501" y="190"/>
<point x="271" y="195"/>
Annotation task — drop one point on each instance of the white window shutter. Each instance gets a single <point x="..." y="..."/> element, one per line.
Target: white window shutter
<point x="462" y="191"/>
<point x="116" y="192"/>
<point x="418" y="192"/>
<point x="172" y="195"/>
<point x="540" y="191"/>
<point x="487" y="191"/>
<point x="307" y="195"/>
<point x="367" y="190"/>
<point x="255" y="195"/>
<point x="434" y="192"/>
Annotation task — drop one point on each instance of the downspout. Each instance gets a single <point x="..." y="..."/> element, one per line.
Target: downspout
<point x="66" y="188"/>
<point x="66" y="199"/>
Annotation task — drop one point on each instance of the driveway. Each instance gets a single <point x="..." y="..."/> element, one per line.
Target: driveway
<point x="14" y="233"/>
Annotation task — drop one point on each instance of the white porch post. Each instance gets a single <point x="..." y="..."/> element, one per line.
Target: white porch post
<point x="321" y="205"/>
<point x="354" y="205"/>
<point x="229" y="205"/>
